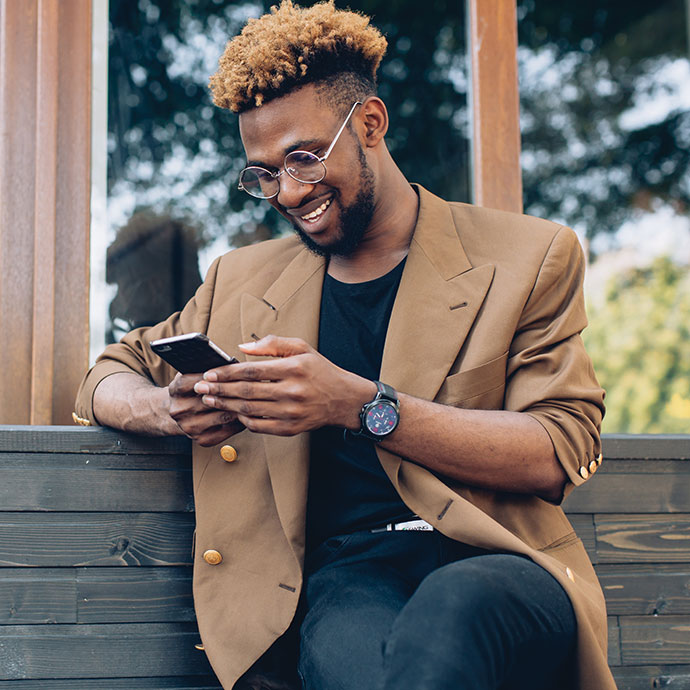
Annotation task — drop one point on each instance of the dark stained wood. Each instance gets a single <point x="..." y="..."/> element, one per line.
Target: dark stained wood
<point x="651" y="677"/>
<point x="34" y="596"/>
<point x="167" y="683"/>
<point x="97" y="651"/>
<point x="614" y="639"/>
<point x="76" y="439"/>
<point x="654" y="640"/>
<point x="647" y="446"/>
<point x="495" y="105"/>
<point x="133" y="595"/>
<point x="659" y="487"/>
<point x="638" y="589"/>
<point x="79" y="483"/>
<point x="643" y="538"/>
<point x="74" y="539"/>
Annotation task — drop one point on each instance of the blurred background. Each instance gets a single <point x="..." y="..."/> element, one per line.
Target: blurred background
<point x="605" y="121"/>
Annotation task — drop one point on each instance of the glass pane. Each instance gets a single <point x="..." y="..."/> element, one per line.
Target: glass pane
<point x="174" y="158"/>
<point x="605" y="117"/>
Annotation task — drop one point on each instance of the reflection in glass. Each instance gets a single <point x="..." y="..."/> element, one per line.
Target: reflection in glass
<point x="605" y="118"/>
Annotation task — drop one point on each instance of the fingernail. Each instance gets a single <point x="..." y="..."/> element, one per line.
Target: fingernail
<point x="209" y="400"/>
<point x="210" y="376"/>
<point x="201" y="388"/>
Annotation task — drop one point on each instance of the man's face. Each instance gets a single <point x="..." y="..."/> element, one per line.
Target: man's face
<point x="333" y="215"/>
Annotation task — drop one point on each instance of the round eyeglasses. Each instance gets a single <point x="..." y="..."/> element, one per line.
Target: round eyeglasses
<point x="302" y="166"/>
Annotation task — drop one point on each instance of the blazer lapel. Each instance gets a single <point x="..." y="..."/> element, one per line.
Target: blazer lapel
<point x="290" y="307"/>
<point x="438" y="300"/>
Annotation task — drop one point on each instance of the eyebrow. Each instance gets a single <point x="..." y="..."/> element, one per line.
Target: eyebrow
<point x="297" y="146"/>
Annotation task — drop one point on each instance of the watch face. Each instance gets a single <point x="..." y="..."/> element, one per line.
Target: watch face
<point x="381" y="418"/>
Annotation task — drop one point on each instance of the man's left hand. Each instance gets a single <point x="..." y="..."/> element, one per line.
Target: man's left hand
<point x="299" y="390"/>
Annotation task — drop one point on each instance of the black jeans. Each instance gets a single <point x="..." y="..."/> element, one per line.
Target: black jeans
<point x="418" y="611"/>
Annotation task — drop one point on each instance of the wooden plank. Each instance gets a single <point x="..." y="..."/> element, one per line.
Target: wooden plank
<point x="660" y="486"/>
<point x="643" y="538"/>
<point x="76" y="439"/>
<point x="614" y="641"/>
<point x="654" y="640"/>
<point x="134" y="595"/>
<point x="167" y="683"/>
<point x="97" y="651"/>
<point x="650" y="677"/>
<point x="584" y="528"/>
<point x="638" y="589"/>
<point x="495" y="105"/>
<point x="77" y="539"/>
<point x="73" y="482"/>
<point x="33" y="596"/>
<point x="647" y="446"/>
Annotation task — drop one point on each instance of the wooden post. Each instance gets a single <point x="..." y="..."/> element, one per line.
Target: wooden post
<point x="495" y="104"/>
<point x="45" y="92"/>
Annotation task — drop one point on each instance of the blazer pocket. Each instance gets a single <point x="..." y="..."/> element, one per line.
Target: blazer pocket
<point x="473" y="382"/>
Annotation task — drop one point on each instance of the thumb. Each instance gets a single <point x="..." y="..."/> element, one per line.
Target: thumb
<point x="276" y="346"/>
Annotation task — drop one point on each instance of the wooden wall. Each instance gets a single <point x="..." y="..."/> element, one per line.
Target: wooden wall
<point x="95" y="553"/>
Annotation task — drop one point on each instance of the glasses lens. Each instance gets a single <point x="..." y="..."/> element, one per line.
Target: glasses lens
<point x="304" y="167"/>
<point x="259" y="183"/>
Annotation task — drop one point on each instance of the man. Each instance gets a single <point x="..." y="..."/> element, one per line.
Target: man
<point x="412" y="403"/>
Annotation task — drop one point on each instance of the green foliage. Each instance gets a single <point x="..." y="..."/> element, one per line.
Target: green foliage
<point x="639" y="341"/>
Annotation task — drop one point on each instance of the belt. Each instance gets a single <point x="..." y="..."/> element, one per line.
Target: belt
<point x="417" y="525"/>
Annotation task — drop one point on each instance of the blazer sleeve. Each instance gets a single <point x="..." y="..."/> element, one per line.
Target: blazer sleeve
<point x="549" y="374"/>
<point x="133" y="355"/>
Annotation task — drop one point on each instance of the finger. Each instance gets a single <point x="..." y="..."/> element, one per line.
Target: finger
<point x="268" y="370"/>
<point x="252" y="408"/>
<point x="218" y="434"/>
<point x="275" y="427"/>
<point x="183" y="384"/>
<point x="244" y="390"/>
<point x="276" y="346"/>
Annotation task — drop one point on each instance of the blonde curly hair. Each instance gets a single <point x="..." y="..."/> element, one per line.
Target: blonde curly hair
<point x="293" y="46"/>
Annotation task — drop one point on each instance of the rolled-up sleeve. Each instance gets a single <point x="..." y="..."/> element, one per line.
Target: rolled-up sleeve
<point x="549" y="374"/>
<point x="134" y="356"/>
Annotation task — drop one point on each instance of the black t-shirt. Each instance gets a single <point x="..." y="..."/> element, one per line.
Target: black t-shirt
<point x="348" y="489"/>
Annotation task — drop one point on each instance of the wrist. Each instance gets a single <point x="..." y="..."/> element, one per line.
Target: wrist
<point x="363" y="391"/>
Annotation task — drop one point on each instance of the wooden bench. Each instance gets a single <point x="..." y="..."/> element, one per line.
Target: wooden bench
<point x="95" y="563"/>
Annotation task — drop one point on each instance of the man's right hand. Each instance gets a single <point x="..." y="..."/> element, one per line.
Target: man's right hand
<point x="202" y="424"/>
<point x="132" y="403"/>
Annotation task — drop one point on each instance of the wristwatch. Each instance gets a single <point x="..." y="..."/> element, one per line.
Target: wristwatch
<point x="379" y="417"/>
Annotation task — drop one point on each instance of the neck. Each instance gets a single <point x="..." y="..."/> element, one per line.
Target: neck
<point x="388" y="237"/>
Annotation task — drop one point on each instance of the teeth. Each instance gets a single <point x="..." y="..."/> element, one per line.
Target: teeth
<point x="317" y="212"/>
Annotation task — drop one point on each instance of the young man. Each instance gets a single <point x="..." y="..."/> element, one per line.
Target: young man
<point x="413" y="401"/>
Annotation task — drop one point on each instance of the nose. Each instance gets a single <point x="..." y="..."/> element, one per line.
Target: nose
<point x="291" y="192"/>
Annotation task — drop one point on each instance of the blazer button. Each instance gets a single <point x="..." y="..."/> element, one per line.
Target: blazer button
<point x="228" y="453"/>
<point x="599" y="458"/>
<point x="570" y="574"/>
<point x="213" y="557"/>
<point x="593" y="467"/>
<point x="584" y="472"/>
<point x="199" y="646"/>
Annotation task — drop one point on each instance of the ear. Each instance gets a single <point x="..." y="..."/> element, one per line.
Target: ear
<point x="374" y="117"/>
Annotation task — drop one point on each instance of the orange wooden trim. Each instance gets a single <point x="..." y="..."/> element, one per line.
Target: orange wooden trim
<point x="495" y="104"/>
<point x="45" y="220"/>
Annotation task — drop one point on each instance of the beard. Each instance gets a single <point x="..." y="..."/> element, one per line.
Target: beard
<point x="354" y="219"/>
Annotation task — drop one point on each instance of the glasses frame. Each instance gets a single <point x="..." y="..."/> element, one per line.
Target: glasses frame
<point x="278" y="173"/>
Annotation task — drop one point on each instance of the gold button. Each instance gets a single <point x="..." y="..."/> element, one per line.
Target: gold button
<point x="584" y="473"/>
<point x="199" y="646"/>
<point x="593" y="467"/>
<point x="599" y="458"/>
<point x="75" y="418"/>
<point x="570" y="574"/>
<point x="228" y="453"/>
<point x="212" y="557"/>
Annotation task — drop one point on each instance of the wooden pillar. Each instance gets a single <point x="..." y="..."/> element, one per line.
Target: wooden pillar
<point x="495" y="104"/>
<point x="45" y="142"/>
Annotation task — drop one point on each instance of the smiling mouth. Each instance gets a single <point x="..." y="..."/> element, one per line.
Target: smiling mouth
<point x="311" y="217"/>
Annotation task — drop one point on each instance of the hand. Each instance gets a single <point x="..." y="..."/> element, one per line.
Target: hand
<point x="205" y="426"/>
<point x="298" y="391"/>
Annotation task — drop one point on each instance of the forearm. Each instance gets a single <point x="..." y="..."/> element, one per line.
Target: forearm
<point x="492" y="449"/>
<point x="133" y="403"/>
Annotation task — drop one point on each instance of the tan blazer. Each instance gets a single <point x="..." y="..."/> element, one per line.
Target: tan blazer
<point x="488" y="316"/>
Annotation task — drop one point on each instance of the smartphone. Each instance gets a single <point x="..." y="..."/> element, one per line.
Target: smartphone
<point x="191" y="353"/>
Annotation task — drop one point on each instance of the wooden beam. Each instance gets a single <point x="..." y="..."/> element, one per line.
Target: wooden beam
<point x="495" y="100"/>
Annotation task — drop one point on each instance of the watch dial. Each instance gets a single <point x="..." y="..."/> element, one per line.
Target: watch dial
<point x="382" y="419"/>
